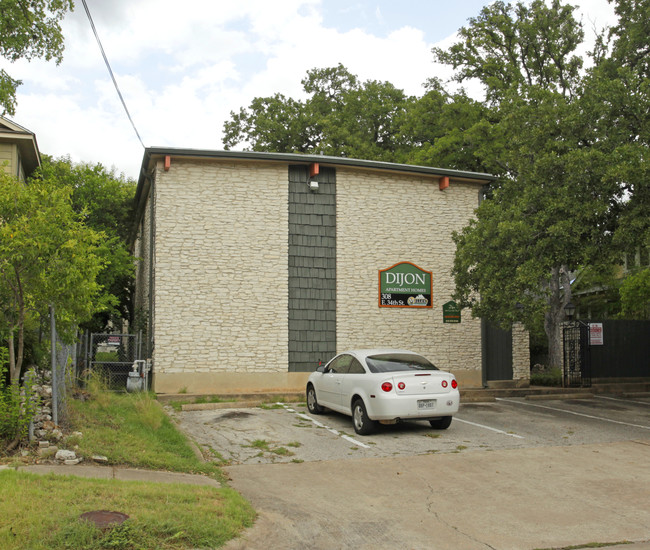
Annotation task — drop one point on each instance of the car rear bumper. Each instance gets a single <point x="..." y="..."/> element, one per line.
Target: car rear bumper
<point x="406" y="406"/>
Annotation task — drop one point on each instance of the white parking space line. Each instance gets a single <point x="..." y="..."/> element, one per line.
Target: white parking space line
<point x="647" y="403"/>
<point x="488" y="428"/>
<point x="321" y="425"/>
<point x="574" y="413"/>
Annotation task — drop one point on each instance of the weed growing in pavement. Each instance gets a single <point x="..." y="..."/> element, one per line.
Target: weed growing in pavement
<point x="266" y="447"/>
<point x="282" y="451"/>
<point x="271" y="406"/>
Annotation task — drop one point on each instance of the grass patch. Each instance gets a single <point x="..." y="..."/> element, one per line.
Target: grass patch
<point x="164" y="516"/>
<point x="107" y="357"/>
<point x="133" y="430"/>
<point x="42" y="512"/>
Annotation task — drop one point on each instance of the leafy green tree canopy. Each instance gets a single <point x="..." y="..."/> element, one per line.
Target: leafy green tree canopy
<point x="514" y="46"/>
<point x="341" y="117"/>
<point x="29" y="29"/>
<point x="48" y="256"/>
<point x="104" y="201"/>
<point x="550" y="211"/>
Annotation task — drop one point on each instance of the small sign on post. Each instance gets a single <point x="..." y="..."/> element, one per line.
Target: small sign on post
<point x="450" y="312"/>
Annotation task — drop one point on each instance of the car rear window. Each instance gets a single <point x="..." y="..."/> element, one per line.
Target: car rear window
<point x="392" y="362"/>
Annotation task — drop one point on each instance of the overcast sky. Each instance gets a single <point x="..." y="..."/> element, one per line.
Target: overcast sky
<point x="183" y="66"/>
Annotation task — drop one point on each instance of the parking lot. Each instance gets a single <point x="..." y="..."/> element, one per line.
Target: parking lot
<point x="288" y="433"/>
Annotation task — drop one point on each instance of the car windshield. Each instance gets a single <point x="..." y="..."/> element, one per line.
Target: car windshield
<point x="392" y="362"/>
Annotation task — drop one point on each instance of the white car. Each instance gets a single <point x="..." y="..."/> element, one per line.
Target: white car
<point x="386" y="386"/>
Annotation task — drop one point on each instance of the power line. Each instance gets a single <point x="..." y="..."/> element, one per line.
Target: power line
<point x="108" y="66"/>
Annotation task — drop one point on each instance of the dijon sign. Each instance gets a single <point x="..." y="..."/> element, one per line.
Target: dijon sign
<point x="405" y="285"/>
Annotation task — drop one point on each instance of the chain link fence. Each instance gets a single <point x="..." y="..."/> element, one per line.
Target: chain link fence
<point x="116" y="357"/>
<point x="64" y="366"/>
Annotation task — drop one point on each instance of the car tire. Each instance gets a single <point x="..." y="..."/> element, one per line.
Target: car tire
<point x="441" y="423"/>
<point x="312" y="402"/>
<point x="362" y="424"/>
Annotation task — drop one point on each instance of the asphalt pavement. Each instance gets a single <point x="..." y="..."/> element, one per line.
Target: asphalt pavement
<point x="513" y="475"/>
<point x="523" y="499"/>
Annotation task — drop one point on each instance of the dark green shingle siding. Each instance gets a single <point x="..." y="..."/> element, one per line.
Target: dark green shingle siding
<point x="312" y="269"/>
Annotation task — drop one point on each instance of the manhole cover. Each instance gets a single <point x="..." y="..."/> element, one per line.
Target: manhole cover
<point x="104" y="518"/>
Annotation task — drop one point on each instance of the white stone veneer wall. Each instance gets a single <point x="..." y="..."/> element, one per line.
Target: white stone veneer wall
<point x="520" y="355"/>
<point x="383" y="219"/>
<point x="221" y="268"/>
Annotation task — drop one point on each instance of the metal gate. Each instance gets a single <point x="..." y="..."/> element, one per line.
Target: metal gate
<point x="113" y="356"/>
<point x="577" y="355"/>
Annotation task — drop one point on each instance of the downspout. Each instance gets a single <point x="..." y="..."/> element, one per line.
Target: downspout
<point x="151" y="266"/>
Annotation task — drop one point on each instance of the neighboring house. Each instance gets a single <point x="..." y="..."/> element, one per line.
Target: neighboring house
<point x="19" y="154"/>
<point x="596" y="293"/>
<point x="255" y="267"/>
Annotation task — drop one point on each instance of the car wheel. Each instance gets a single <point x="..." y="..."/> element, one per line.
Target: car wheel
<point x="362" y="424"/>
<point x="441" y="423"/>
<point x="312" y="402"/>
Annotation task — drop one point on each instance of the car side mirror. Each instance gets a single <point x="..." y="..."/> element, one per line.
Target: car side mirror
<point x="321" y="368"/>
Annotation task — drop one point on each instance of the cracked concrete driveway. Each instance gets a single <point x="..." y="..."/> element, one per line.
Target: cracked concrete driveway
<point x="512" y="474"/>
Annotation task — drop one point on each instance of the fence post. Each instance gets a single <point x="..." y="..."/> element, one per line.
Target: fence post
<point x="55" y="405"/>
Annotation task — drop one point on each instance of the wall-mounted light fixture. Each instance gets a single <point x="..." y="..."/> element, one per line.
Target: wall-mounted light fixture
<point x="313" y="185"/>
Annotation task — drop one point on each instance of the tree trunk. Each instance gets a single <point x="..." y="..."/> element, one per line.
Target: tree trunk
<point x="16" y="356"/>
<point x="13" y="377"/>
<point x="560" y="296"/>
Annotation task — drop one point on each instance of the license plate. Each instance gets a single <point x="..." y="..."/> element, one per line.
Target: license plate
<point x="426" y="404"/>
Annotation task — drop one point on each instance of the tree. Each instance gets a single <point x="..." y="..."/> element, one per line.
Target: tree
<point x="29" y="29"/>
<point x="47" y="257"/>
<point x="440" y="129"/>
<point x="104" y="201"/>
<point x="517" y="47"/>
<point x="550" y="210"/>
<point x="620" y="86"/>
<point x="342" y="117"/>
<point x="635" y="295"/>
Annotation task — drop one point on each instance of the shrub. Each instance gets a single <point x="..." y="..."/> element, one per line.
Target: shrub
<point x="547" y="377"/>
<point x="18" y="405"/>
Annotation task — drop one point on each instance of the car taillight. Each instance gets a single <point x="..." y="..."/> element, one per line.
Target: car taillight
<point x="387" y="386"/>
<point x="454" y="384"/>
<point x="444" y="383"/>
<point x="401" y="385"/>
